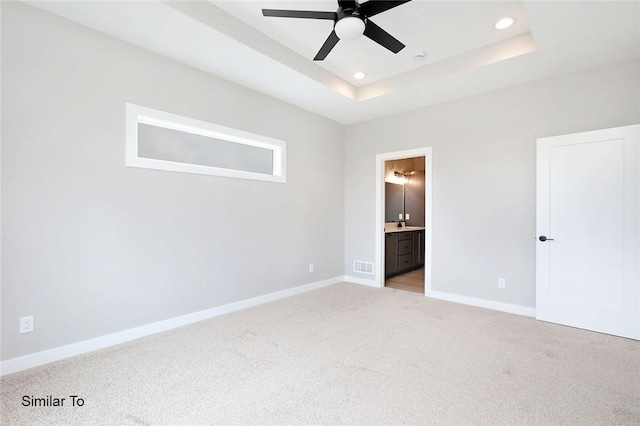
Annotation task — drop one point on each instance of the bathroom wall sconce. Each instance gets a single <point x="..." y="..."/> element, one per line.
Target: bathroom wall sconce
<point x="398" y="178"/>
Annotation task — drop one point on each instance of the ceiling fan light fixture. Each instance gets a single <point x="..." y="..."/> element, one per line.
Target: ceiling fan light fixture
<point x="350" y="21"/>
<point x="504" y="23"/>
<point x="349" y="28"/>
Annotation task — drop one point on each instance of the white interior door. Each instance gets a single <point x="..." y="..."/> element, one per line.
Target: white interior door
<point x="587" y="271"/>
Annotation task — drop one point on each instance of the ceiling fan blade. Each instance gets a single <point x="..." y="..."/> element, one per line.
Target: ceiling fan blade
<point x="308" y="14"/>
<point x="329" y="44"/>
<point x="382" y="37"/>
<point x="373" y="7"/>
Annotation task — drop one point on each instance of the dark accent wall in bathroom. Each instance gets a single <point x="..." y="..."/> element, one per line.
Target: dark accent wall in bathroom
<point x="414" y="199"/>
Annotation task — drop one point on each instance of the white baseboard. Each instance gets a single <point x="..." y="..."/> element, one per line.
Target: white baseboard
<point x="363" y="281"/>
<point x="465" y="300"/>
<point x="483" y="303"/>
<point x="45" y="357"/>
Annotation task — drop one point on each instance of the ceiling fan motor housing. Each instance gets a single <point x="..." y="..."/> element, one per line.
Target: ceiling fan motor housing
<point x="347" y="12"/>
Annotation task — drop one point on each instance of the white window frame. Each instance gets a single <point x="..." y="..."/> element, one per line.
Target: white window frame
<point x="136" y="114"/>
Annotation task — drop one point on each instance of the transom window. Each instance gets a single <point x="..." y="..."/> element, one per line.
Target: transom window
<point x="164" y="141"/>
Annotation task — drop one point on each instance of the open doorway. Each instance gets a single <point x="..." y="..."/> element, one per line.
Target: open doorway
<point x="403" y="218"/>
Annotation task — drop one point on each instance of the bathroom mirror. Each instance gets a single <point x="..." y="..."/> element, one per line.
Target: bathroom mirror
<point x="394" y="202"/>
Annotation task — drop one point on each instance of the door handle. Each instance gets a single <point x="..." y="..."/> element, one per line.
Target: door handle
<point x="544" y="238"/>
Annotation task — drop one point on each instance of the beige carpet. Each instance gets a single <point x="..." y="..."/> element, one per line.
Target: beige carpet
<point x="346" y="354"/>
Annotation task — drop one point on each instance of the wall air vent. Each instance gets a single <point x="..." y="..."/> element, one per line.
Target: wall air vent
<point x="363" y="267"/>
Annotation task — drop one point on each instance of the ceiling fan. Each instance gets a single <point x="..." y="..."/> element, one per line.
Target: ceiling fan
<point x="350" y="21"/>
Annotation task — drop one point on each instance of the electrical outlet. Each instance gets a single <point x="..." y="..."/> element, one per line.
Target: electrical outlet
<point x="311" y="267"/>
<point x="502" y="283"/>
<point x="26" y="324"/>
<point x="407" y="216"/>
<point x="400" y="216"/>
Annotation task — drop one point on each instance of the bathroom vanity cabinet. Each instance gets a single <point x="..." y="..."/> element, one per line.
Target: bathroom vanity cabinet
<point x="404" y="251"/>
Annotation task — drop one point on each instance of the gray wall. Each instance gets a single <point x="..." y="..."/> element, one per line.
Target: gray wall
<point x="484" y="173"/>
<point x="92" y="247"/>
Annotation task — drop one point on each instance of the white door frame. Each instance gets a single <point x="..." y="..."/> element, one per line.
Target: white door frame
<point x="379" y="231"/>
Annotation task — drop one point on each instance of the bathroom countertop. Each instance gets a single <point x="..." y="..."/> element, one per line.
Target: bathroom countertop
<point x="404" y="229"/>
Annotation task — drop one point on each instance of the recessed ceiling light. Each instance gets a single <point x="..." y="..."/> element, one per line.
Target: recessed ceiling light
<point x="504" y="23"/>
<point x="359" y="75"/>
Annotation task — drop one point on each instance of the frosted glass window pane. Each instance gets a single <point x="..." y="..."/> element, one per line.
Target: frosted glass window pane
<point x="159" y="143"/>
